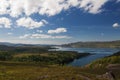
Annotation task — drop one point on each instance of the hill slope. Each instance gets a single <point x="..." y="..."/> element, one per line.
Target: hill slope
<point x="109" y="64"/>
<point x="105" y="44"/>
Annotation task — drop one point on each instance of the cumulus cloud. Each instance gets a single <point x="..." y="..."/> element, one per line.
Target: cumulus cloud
<point x="30" y="23"/>
<point x="116" y="25"/>
<point x="4" y="5"/>
<point x="16" y="8"/>
<point x="58" y="30"/>
<point x="5" y="22"/>
<point x="43" y="36"/>
<point x="92" y="6"/>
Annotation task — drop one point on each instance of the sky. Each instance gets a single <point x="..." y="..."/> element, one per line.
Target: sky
<point x="59" y="21"/>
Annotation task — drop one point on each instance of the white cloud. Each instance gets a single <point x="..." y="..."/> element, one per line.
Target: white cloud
<point x="58" y="30"/>
<point x="39" y="31"/>
<point x="28" y="7"/>
<point x="92" y="6"/>
<point x="9" y="33"/>
<point x="43" y="36"/>
<point x="118" y="0"/>
<point x="24" y="36"/>
<point x="16" y="8"/>
<point x="116" y="25"/>
<point x="29" y="23"/>
<point x="4" y="5"/>
<point x="5" y="22"/>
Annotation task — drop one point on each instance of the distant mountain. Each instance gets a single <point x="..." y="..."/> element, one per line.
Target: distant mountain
<point x="14" y="44"/>
<point x="7" y="43"/>
<point x="103" y="44"/>
<point x="20" y="44"/>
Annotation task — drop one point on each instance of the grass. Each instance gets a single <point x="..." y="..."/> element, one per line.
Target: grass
<point x="38" y="72"/>
<point x="102" y="64"/>
<point x="106" y="61"/>
<point x="25" y="54"/>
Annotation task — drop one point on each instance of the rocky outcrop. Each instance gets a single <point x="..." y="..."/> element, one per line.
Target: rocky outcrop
<point x="108" y="76"/>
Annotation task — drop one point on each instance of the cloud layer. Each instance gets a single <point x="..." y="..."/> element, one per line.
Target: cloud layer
<point x="20" y="11"/>
<point x="43" y="36"/>
<point x="17" y="8"/>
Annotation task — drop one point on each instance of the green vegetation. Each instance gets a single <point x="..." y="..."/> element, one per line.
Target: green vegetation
<point x="5" y="56"/>
<point x="37" y="63"/>
<point x="38" y="55"/>
<point x="113" y="59"/>
<point x="59" y="57"/>
<point x="20" y="71"/>
<point x="110" y="63"/>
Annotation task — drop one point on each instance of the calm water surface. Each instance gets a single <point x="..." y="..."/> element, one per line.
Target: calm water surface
<point x="98" y="53"/>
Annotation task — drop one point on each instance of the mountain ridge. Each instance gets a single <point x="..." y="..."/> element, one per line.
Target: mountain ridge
<point x="94" y="44"/>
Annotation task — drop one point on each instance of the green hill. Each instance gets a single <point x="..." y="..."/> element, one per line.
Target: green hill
<point x="113" y="59"/>
<point x="108" y="64"/>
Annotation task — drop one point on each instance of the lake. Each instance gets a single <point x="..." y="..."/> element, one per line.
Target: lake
<point x="98" y="53"/>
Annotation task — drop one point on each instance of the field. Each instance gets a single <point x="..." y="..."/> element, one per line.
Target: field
<point x="22" y="71"/>
<point x="37" y="63"/>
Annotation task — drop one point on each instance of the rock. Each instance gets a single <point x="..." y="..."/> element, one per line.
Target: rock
<point x="113" y="66"/>
<point x="108" y="75"/>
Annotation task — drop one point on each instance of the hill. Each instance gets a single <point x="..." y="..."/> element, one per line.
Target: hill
<point x="21" y="44"/>
<point x="108" y="64"/>
<point x="113" y="59"/>
<point x="103" y="44"/>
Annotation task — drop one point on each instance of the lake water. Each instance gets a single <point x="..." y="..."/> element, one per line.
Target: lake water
<point x="98" y="53"/>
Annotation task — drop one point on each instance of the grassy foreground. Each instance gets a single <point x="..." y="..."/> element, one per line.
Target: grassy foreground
<point x="20" y="71"/>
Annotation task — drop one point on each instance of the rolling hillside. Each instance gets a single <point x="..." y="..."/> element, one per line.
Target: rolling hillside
<point x="104" y="44"/>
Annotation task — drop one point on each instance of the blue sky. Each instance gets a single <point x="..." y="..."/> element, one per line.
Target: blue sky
<point x="59" y="21"/>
